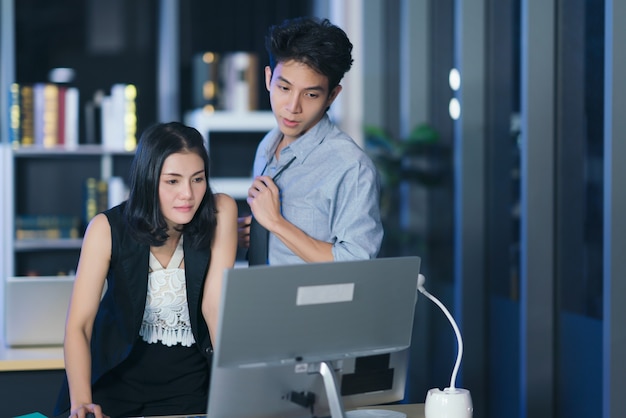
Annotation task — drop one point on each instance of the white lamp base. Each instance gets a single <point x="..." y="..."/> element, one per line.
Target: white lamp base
<point x="448" y="403"/>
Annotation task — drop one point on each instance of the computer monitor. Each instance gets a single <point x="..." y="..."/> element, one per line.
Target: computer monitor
<point x="311" y="340"/>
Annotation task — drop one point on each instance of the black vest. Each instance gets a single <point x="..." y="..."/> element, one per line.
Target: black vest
<point x="118" y="320"/>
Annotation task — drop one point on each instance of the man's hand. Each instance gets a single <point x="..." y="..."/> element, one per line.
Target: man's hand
<point x="264" y="201"/>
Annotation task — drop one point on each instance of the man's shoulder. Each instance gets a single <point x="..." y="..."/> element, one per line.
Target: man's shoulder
<point x="343" y="147"/>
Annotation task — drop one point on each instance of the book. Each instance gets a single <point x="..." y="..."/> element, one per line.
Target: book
<point x="110" y="127"/>
<point x="50" y="115"/>
<point x="27" y="115"/>
<point x="102" y="187"/>
<point x="71" y="122"/>
<point x="119" y="118"/>
<point x="93" y="119"/>
<point x="90" y="200"/>
<point x="14" y="115"/>
<point x="130" y="117"/>
<point x="61" y="107"/>
<point x="38" y="102"/>
<point x="96" y="198"/>
<point x="117" y="191"/>
<point x="45" y="114"/>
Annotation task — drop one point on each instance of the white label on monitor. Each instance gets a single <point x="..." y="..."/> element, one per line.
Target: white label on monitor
<point x="331" y="293"/>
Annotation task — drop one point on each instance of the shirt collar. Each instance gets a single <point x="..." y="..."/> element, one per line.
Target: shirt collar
<point x="304" y="145"/>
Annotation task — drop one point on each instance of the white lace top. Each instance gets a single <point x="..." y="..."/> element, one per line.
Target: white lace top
<point x="166" y="316"/>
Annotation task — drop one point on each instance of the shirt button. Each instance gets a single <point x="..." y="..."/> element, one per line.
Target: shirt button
<point x="209" y="350"/>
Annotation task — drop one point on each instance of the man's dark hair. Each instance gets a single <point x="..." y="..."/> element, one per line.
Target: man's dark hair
<point x="315" y="42"/>
<point x="143" y="211"/>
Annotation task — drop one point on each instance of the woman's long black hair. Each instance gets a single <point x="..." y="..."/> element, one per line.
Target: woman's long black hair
<point x="142" y="211"/>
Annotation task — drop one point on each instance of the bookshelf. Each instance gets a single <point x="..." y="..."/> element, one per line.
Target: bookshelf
<point x="43" y="189"/>
<point x="39" y="180"/>
<point x="51" y="197"/>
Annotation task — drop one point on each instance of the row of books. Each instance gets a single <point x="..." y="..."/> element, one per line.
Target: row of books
<point x="99" y="195"/>
<point x="47" y="227"/>
<point x="43" y="114"/>
<point x="47" y="115"/>
<point x="111" y="119"/>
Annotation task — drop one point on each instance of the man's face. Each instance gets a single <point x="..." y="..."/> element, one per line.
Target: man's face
<point x="299" y="97"/>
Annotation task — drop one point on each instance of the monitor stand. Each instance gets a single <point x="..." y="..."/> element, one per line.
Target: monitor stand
<point x="335" y="403"/>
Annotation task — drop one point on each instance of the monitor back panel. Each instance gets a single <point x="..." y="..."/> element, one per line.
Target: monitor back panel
<point x="277" y="322"/>
<point x="319" y="311"/>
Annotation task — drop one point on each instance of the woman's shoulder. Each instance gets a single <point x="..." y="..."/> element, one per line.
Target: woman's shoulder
<point x="224" y="201"/>
<point x="98" y="227"/>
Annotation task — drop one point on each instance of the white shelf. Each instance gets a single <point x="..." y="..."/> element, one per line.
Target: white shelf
<point x="225" y="121"/>
<point x="236" y="187"/>
<point x="48" y="244"/>
<point x="62" y="151"/>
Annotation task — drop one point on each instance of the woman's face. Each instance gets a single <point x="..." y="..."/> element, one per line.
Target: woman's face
<point x="182" y="186"/>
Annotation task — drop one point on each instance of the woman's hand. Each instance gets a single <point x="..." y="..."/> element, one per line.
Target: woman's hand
<point x="90" y="410"/>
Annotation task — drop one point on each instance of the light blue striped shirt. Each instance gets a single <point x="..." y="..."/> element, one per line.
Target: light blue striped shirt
<point x="331" y="191"/>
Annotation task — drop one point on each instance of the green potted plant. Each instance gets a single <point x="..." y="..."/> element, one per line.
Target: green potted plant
<point x="421" y="159"/>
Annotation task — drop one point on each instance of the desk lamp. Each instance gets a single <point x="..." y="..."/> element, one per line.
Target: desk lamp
<point x="452" y="402"/>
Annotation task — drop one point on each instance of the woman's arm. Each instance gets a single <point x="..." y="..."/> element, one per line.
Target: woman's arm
<point x="223" y="253"/>
<point x="95" y="257"/>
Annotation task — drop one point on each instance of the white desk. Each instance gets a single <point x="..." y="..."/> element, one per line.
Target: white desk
<point x="30" y="379"/>
<point x="30" y="358"/>
<point x="415" y="410"/>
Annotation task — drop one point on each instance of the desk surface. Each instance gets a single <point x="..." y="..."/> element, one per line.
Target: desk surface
<point x="415" y="410"/>
<point x="30" y="358"/>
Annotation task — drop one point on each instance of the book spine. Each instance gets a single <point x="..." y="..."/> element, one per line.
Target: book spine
<point x="50" y="115"/>
<point x="71" y="121"/>
<point x="27" y="115"/>
<point x="14" y="115"/>
<point x="102" y="195"/>
<point x="109" y="125"/>
<point x="90" y="200"/>
<point x="61" y="107"/>
<point x="38" y="112"/>
<point x="130" y="117"/>
<point x="93" y="119"/>
<point x="117" y="191"/>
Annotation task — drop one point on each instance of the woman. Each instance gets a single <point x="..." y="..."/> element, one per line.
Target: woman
<point x="145" y="347"/>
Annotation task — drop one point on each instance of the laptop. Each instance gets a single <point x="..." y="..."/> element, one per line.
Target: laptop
<point x="35" y="310"/>
<point x="278" y="324"/>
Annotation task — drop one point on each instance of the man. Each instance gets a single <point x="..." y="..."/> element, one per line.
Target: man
<point x="315" y="190"/>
